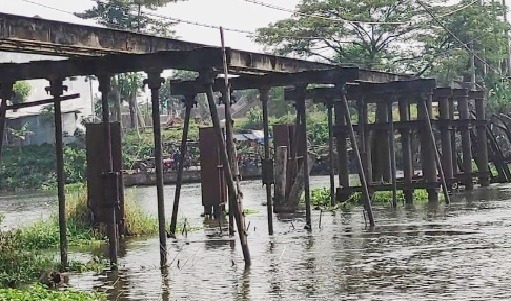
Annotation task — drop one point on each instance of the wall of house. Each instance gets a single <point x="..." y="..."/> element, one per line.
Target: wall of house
<point x="43" y="130"/>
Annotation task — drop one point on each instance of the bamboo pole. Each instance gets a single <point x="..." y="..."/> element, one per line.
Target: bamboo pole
<point x="226" y="96"/>
<point x="189" y="102"/>
<point x="234" y="200"/>
<point x="361" y="173"/>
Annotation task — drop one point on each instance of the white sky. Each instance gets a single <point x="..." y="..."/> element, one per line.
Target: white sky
<point x="228" y="13"/>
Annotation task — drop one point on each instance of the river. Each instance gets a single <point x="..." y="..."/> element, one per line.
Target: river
<point x="423" y="252"/>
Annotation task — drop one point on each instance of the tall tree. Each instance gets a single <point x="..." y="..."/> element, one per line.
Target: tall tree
<point x="129" y="14"/>
<point x="370" y="36"/>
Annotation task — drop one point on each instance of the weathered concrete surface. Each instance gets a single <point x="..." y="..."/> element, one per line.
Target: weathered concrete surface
<point x="35" y="35"/>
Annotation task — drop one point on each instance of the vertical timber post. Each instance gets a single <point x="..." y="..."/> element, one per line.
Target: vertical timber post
<point x="482" y="142"/>
<point x="445" y="132"/>
<point x="342" y="153"/>
<point x="6" y="93"/>
<point x="234" y="200"/>
<point x="466" y="141"/>
<point x="437" y="156"/>
<point x="331" y="162"/>
<point x="358" y="159"/>
<point x="264" y="95"/>
<point x="189" y="103"/>
<point x="406" y="146"/>
<point x="113" y="234"/>
<point x="392" y="152"/>
<point x="303" y="131"/>
<point x="56" y="89"/>
<point x="154" y="82"/>
<point x="453" y="129"/>
<point x="427" y="148"/>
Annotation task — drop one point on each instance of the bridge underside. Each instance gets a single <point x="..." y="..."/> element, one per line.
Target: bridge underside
<point x="105" y="52"/>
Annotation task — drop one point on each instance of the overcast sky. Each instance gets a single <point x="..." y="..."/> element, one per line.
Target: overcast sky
<point x="228" y="13"/>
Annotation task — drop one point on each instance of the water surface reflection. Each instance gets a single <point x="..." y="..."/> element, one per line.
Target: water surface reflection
<point x="421" y="252"/>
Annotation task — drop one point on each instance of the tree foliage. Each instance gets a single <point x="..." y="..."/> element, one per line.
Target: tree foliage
<point x="128" y="15"/>
<point x="420" y="46"/>
<point x="317" y="30"/>
<point x="22" y="91"/>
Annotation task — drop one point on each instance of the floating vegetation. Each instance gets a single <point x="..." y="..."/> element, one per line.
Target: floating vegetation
<point x="320" y="197"/>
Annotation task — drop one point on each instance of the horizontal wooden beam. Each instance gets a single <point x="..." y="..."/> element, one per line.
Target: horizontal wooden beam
<point x="31" y="104"/>
<point x="246" y="82"/>
<point x="367" y="90"/>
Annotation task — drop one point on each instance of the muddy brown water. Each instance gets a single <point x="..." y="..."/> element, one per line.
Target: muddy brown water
<point x="421" y="252"/>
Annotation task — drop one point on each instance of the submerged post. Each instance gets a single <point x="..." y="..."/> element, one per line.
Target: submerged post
<point x="331" y="165"/>
<point x="406" y="146"/>
<point x="154" y="82"/>
<point x="234" y="200"/>
<point x="110" y="201"/>
<point x="392" y="152"/>
<point x="56" y="89"/>
<point x="466" y="141"/>
<point x="358" y="159"/>
<point x="189" y="103"/>
<point x="445" y="132"/>
<point x="482" y="142"/>
<point x="264" y="95"/>
<point x="300" y="106"/>
<point x="437" y="157"/>
<point x="427" y="148"/>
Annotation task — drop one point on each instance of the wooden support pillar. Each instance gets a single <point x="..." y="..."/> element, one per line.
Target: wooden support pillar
<point x="406" y="146"/>
<point x="392" y="153"/>
<point x="189" y="102"/>
<point x="427" y="147"/>
<point x="466" y="142"/>
<point x="6" y="93"/>
<point x="111" y="194"/>
<point x="234" y="198"/>
<point x="154" y="82"/>
<point x="429" y="128"/>
<point x="302" y="130"/>
<point x="342" y="152"/>
<point x="482" y="142"/>
<point x="264" y="95"/>
<point x="445" y="132"/>
<point x="454" y="150"/>
<point x="365" y="141"/>
<point x="382" y="167"/>
<point x="279" y="194"/>
<point x="358" y="160"/>
<point x="331" y="161"/>
<point x="56" y="89"/>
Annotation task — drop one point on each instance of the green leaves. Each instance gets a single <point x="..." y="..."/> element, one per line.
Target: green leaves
<point x="21" y="90"/>
<point x="38" y="292"/>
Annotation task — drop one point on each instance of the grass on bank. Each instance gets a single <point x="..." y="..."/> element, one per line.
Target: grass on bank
<point x="38" y="292"/>
<point x="27" y="252"/>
